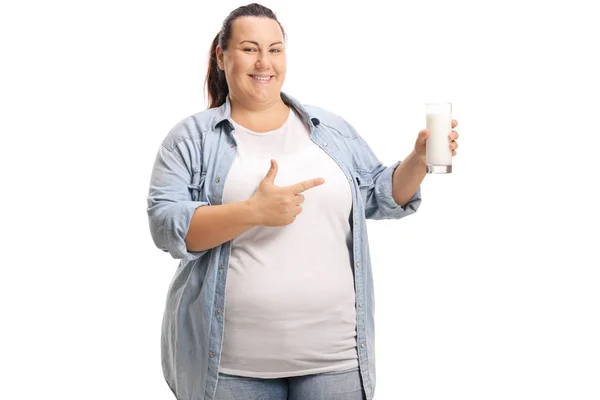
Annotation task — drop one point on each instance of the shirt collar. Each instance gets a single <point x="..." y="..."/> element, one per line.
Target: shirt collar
<point x="224" y="112"/>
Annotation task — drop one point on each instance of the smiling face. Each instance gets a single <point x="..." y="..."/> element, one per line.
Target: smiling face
<point x="254" y="62"/>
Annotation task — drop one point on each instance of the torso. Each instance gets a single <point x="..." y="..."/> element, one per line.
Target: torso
<point x="290" y="302"/>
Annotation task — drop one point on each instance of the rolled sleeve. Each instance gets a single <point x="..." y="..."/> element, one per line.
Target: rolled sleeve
<point x="169" y="226"/>
<point x="386" y="203"/>
<point x="379" y="201"/>
<point x="170" y="204"/>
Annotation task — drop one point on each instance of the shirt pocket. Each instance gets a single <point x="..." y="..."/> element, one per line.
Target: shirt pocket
<point x="195" y="188"/>
<point x="364" y="182"/>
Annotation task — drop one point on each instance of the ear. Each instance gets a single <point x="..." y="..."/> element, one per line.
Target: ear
<point x="219" y="52"/>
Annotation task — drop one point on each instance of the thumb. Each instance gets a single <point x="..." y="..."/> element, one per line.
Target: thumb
<point x="272" y="173"/>
<point x="423" y="136"/>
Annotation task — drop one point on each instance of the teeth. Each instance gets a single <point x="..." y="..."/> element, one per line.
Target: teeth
<point x="262" y="78"/>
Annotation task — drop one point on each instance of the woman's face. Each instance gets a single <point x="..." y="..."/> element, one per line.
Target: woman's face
<point x="255" y="61"/>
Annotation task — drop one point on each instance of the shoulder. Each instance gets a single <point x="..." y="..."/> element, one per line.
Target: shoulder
<point x="324" y="116"/>
<point x="331" y="120"/>
<point x="190" y="129"/>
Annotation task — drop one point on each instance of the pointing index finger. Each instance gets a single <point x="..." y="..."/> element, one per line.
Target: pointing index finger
<point x="305" y="185"/>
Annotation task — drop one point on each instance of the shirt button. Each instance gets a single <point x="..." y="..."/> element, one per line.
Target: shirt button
<point x="218" y="180"/>
<point x="212" y="355"/>
<point x="221" y="266"/>
<point x="218" y="312"/>
<point x="355" y="222"/>
<point x="232" y="145"/>
<point x="325" y="144"/>
<point x="357" y="265"/>
<point x="362" y="345"/>
<point x="360" y="305"/>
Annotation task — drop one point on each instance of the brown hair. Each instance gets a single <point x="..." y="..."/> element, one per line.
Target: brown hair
<point x="215" y="78"/>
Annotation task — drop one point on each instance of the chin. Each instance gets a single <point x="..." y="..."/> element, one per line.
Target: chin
<point x="265" y="96"/>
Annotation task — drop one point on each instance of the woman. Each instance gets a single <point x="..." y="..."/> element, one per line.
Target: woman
<point x="265" y="202"/>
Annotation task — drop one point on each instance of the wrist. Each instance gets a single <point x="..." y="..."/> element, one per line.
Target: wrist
<point x="420" y="159"/>
<point x="252" y="212"/>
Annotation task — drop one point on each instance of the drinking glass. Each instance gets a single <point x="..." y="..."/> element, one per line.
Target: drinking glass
<point x="439" y="124"/>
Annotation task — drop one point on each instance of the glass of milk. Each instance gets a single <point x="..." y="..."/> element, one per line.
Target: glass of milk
<point x="439" y="124"/>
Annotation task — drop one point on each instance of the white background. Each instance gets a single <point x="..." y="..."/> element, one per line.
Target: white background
<point x="490" y="291"/>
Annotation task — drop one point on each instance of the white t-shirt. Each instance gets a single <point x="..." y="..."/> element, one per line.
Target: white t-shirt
<point x="289" y="303"/>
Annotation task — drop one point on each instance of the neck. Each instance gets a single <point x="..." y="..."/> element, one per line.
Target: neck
<point x="261" y="117"/>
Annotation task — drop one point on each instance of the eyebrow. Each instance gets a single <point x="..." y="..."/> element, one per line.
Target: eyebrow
<point x="256" y="43"/>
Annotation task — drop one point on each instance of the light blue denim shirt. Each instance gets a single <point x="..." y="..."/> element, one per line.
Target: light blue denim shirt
<point x="190" y="172"/>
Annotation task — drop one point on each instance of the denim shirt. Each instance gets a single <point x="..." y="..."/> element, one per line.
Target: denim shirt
<point x="190" y="172"/>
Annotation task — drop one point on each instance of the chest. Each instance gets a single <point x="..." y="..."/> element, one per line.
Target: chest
<point x="227" y="160"/>
<point x="306" y="161"/>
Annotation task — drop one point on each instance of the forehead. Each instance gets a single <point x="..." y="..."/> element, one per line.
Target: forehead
<point x="260" y="29"/>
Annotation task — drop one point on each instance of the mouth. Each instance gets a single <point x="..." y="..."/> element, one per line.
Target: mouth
<point x="261" y="78"/>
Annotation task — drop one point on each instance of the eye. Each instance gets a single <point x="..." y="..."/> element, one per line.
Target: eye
<point x="276" y="50"/>
<point x="249" y="49"/>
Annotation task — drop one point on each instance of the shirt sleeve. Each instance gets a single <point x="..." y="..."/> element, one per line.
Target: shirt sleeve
<point x="379" y="203"/>
<point x="170" y="203"/>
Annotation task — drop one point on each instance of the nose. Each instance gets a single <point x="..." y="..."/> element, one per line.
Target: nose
<point x="262" y="61"/>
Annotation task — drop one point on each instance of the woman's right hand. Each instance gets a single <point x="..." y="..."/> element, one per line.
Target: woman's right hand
<point x="279" y="205"/>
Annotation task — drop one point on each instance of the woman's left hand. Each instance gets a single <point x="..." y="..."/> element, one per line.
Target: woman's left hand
<point x="424" y="134"/>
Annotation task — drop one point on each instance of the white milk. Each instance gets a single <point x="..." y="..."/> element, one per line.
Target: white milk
<point x="438" y="143"/>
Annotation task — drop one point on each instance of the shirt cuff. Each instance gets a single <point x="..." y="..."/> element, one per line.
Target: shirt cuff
<point x="385" y="201"/>
<point x="177" y="225"/>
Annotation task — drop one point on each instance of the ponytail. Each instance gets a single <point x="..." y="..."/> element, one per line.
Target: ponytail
<point x="216" y="83"/>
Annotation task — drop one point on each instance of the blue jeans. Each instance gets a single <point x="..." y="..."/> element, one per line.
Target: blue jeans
<point x="338" y="385"/>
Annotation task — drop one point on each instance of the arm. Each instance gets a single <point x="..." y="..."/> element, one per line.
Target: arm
<point x="407" y="177"/>
<point x="212" y="226"/>
<point x="180" y="225"/>
<point x="380" y="203"/>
